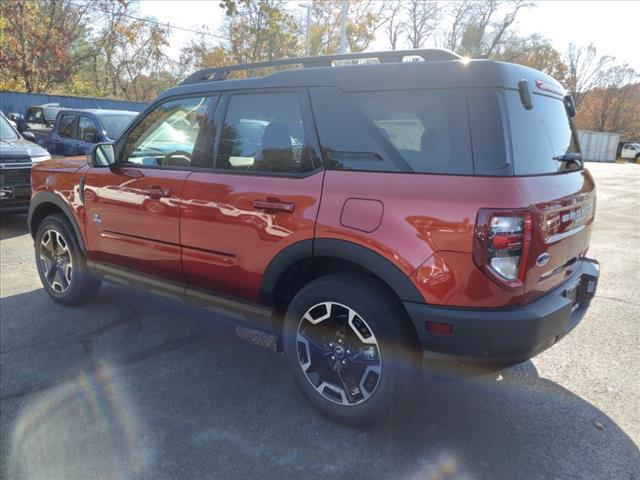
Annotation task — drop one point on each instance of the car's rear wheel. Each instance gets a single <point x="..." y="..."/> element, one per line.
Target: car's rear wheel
<point x="61" y="264"/>
<point x="350" y="348"/>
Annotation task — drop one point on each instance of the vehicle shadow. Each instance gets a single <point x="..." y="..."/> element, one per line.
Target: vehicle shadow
<point x="12" y="225"/>
<point x="136" y="386"/>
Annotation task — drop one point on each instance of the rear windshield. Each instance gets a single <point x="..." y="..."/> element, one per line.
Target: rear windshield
<point x="540" y="134"/>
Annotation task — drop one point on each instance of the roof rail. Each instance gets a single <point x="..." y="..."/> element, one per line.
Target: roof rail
<point x="393" y="56"/>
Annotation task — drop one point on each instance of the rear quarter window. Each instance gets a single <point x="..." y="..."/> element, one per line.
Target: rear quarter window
<point x="422" y="131"/>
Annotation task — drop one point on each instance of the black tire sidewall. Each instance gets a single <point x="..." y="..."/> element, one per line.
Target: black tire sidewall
<point x="80" y="278"/>
<point x="384" y="317"/>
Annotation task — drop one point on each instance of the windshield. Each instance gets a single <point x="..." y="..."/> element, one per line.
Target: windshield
<point x="115" y="124"/>
<point x="6" y="130"/>
<point x="540" y="134"/>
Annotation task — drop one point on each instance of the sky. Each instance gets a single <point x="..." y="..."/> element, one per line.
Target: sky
<point x="610" y="25"/>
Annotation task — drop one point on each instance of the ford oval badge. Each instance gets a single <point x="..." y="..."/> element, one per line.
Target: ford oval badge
<point x="543" y="259"/>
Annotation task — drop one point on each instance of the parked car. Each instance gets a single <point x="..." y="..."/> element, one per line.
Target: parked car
<point x="387" y="211"/>
<point x="39" y="120"/>
<point x="631" y="151"/>
<point x="17" y="155"/>
<point x="76" y="131"/>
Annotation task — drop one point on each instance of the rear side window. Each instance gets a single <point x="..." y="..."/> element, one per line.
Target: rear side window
<point x="539" y="134"/>
<point x="263" y="132"/>
<point x="67" y="126"/>
<point x="424" y="131"/>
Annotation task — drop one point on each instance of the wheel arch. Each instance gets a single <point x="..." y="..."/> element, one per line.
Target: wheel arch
<point x="302" y="258"/>
<point x="47" y="203"/>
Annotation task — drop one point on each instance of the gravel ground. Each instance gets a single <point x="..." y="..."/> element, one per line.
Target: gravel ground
<point x="132" y="386"/>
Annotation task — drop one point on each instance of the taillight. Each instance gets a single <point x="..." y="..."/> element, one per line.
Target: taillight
<point x="502" y="244"/>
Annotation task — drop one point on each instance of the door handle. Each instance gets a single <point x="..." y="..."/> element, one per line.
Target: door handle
<point x="156" y="192"/>
<point x="273" y="206"/>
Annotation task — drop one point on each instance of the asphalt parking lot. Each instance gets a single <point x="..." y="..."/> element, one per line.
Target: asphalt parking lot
<point x="133" y="386"/>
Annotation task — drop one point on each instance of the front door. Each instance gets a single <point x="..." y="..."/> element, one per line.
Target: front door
<point x="259" y="196"/>
<point x="133" y="209"/>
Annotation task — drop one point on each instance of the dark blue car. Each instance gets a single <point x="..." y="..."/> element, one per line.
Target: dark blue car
<point x="76" y="130"/>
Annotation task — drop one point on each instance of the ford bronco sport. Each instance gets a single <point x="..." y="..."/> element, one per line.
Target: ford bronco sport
<point x="367" y="213"/>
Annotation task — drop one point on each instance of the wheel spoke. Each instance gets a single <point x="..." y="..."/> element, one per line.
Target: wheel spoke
<point x="345" y="387"/>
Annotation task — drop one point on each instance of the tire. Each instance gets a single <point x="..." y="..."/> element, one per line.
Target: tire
<point x="329" y="355"/>
<point x="637" y="158"/>
<point x="61" y="264"/>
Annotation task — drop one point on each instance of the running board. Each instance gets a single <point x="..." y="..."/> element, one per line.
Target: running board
<point x="246" y="312"/>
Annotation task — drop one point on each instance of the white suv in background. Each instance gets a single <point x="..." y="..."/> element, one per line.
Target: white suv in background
<point x="631" y="150"/>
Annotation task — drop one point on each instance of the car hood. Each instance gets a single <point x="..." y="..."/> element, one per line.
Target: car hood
<point x="21" y="147"/>
<point x="62" y="164"/>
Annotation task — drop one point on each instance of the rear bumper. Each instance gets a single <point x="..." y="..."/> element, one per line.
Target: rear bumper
<point x="507" y="335"/>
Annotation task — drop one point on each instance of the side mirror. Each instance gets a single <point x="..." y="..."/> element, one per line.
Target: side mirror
<point x="29" y="136"/>
<point x="89" y="137"/>
<point x="102" y="155"/>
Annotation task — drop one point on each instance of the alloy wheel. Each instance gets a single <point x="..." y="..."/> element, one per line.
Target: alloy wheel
<point x="338" y="353"/>
<point x="56" y="261"/>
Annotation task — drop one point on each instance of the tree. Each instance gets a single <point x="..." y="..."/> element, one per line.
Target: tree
<point x="362" y="22"/>
<point x="422" y="19"/>
<point x="533" y="51"/>
<point x="391" y="22"/>
<point x="584" y="70"/>
<point x="42" y="42"/>
<point x="258" y="30"/>
<point x="478" y="28"/>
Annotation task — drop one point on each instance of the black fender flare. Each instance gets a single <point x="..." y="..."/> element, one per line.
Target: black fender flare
<point x="389" y="273"/>
<point x="42" y="198"/>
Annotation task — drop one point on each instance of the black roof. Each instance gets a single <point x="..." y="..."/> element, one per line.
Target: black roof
<point x="455" y="72"/>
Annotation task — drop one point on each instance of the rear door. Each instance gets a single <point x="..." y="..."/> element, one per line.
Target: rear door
<point x="63" y="139"/>
<point x="259" y="195"/>
<point x="132" y="210"/>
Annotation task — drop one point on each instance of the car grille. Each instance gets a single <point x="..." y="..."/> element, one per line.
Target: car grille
<point x="15" y="159"/>
<point x="17" y="176"/>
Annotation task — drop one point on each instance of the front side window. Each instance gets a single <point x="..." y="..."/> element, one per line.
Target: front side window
<point x="87" y="131"/>
<point x="166" y="137"/>
<point x="67" y="126"/>
<point x="263" y="133"/>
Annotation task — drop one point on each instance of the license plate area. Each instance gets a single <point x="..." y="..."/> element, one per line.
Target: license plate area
<point x="573" y="294"/>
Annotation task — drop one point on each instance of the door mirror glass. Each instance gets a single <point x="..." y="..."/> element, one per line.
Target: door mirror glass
<point x="102" y="155"/>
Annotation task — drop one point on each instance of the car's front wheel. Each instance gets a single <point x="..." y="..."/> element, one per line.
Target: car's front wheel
<point x="350" y="347"/>
<point x="61" y="264"/>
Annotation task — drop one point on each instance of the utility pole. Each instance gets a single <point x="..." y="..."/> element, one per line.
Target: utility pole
<point x="343" y="27"/>
<point x="308" y="7"/>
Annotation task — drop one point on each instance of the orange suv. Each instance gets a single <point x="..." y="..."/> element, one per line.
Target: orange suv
<point x="365" y="213"/>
